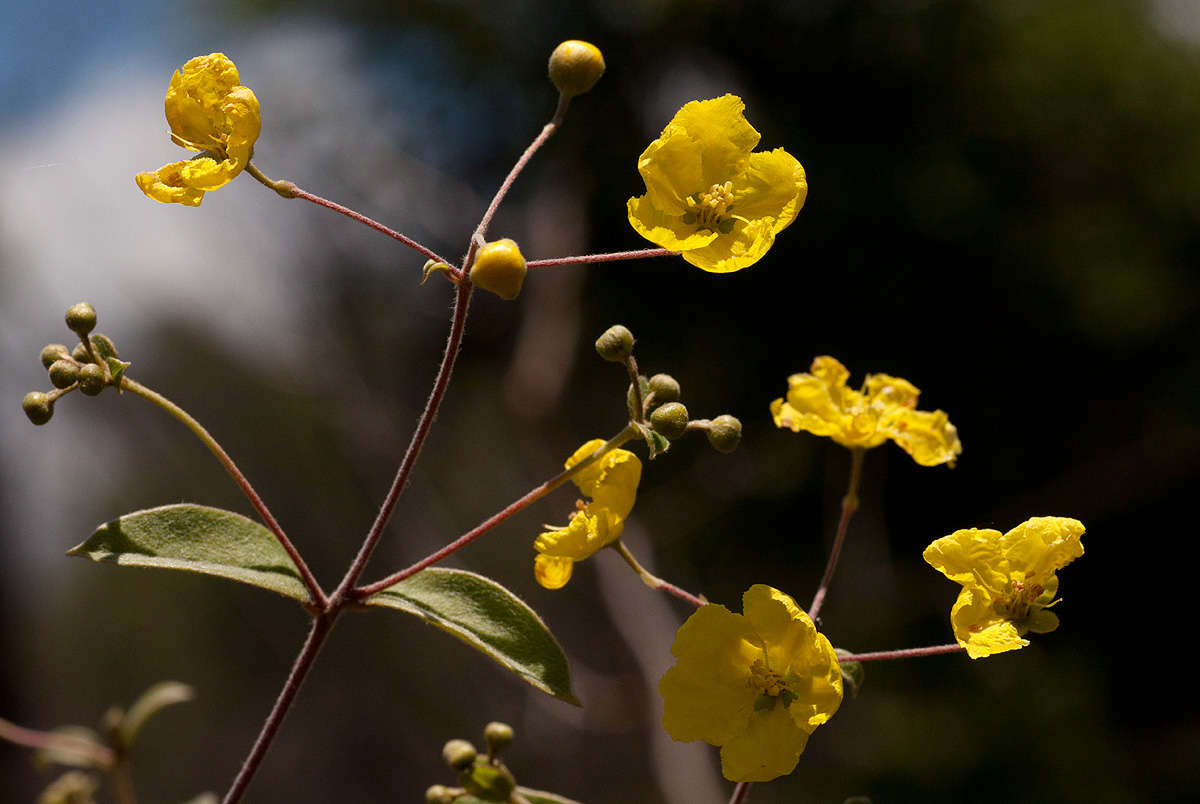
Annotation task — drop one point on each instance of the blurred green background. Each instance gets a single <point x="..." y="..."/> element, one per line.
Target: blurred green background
<point x="1003" y="208"/>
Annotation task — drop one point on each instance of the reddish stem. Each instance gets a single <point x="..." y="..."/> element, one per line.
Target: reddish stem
<point x="740" y="793"/>
<point x="652" y="580"/>
<point x="610" y="257"/>
<point x="907" y="653"/>
<point x="849" y="506"/>
<point x="101" y="755"/>
<point x="363" y="219"/>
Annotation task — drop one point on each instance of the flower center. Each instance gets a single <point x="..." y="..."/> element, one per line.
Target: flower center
<point x="764" y="680"/>
<point x="710" y="209"/>
<point x="1019" y="600"/>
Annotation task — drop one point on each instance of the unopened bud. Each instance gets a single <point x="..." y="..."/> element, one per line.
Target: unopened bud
<point x="52" y="352"/>
<point x="81" y="319"/>
<point x="724" y="433"/>
<point x="499" y="268"/>
<point x="665" y="388"/>
<point x="38" y="407"/>
<point x="489" y="782"/>
<point x="91" y="379"/>
<point x="670" y="420"/>
<point x="575" y="67"/>
<point x="80" y="354"/>
<point x="64" y="373"/>
<point x="459" y="754"/>
<point x="616" y="344"/>
<point x="440" y="794"/>
<point x="498" y="737"/>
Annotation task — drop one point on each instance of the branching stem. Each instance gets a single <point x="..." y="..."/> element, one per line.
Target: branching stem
<point x="849" y="506"/>
<point x="907" y="653"/>
<point x="651" y="580"/>
<point x="610" y="257"/>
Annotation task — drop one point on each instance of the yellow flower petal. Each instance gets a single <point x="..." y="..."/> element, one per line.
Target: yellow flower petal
<point x="769" y="747"/>
<point x="928" y="437"/>
<point x="553" y="572"/>
<point x="966" y="556"/>
<point x="979" y="629"/>
<point x="1044" y="544"/>
<point x="167" y="186"/>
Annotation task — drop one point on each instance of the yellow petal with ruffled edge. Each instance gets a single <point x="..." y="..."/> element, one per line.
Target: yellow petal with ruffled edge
<point x="195" y="95"/>
<point x="768" y="748"/>
<point x="1043" y="544"/>
<point x="928" y="437"/>
<point x="979" y="629"/>
<point x="971" y="556"/>
<point x="167" y="186"/>
<point x="553" y="572"/>
<point x="611" y="480"/>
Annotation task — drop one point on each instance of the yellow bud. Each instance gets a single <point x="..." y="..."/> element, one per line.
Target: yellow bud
<point x="575" y="67"/>
<point x="500" y="268"/>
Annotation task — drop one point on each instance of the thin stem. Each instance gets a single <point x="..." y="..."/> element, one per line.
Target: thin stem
<point x="639" y="404"/>
<point x="316" y="595"/>
<point x="288" y="189"/>
<point x="123" y="782"/>
<point x="740" y="793"/>
<point x="849" y="506"/>
<point x="100" y="755"/>
<point x="538" y="141"/>
<point x="907" y="653"/>
<point x="316" y="637"/>
<point x="651" y="580"/>
<point x="462" y="541"/>
<point x="610" y="257"/>
<point x="453" y="342"/>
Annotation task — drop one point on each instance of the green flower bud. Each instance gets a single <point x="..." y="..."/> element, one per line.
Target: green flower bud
<point x="64" y="373"/>
<point x="38" y="407"/>
<point x="665" y="388"/>
<point x="80" y="354"/>
<point x="440" y="794"/>
<point x="575" y="67"/>
<point x="52" y="352"/>
<point x="459" y="754"/>
<point x="92" y="379"/>
<point x="489" y="782"/>
<point x="724" y="433"/>
<point x="616" y="344"/>
<point x="670" y="420"/>
<point x="81" y="319"/>
<point x="500" y="268"/>
<point x="498" y="737"/>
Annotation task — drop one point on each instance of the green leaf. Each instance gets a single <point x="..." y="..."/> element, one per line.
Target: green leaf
<point x="487" y="617"/>
<point x="196" y="538"/>
<point x="151" y="702"/>
<point x="656" y="443"/>
<point x="853" y="674"/>
<point x="117" y="369"/>
<point x="103" y="347"/>
<point x="542" y="797"/>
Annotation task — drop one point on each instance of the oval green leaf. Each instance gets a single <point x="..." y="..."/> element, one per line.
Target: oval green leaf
<point x="196" y="538"/>
<point x="487" y="617"/>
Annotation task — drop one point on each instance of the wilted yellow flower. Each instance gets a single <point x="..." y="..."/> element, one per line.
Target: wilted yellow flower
<point x="1008" y="580"/>
<point x="708" y="196"/>
<point x="885" y="408"/>
<point x="211" y="112"/>
<point x="612" y="483"/>
<point x="757" y="683"/>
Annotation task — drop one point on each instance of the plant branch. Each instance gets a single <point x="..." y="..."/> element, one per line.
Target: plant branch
<point x="531" y="497"/>
<point x="101" y="756"/>
<point x="740" y="793"/>
<point x="316" y="638"/>
<point x="316" y="595"/>
<point x="907" y="653"/>
<point x="610" y="257"/>
<point x="849" y="506"/>
<point x="651" y="580"/>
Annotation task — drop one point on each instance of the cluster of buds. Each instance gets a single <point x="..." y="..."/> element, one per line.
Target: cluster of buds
<point x="654" y="406"/>
<point x="91" y="366"/>
<point x="482" y="777"/>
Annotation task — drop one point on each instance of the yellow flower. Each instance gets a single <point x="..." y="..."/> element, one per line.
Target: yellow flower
<point x="211" y="112"/>
<point x="1008" y="580"/>
<point x="821" y="403"/>
<point x="708" y="196"/>
<point x="612" y="483"/>
<point x="757" y="684"/>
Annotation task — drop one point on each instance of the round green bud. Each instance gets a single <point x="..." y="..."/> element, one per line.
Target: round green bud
<point x="670" y="420"/>
<point x="91" y="379"/>
<point x="724" y="433"/>
<point x="80" y="354"/>
<point x="616" y="344"/>
<point x="81" y="319"/>
<point x="498" y="736"/>
<point x="459" y="754"/>
<point x="489" y="782"/>
<point x="52" y="352"/>
<point x="38" y="407"/>
<point x="665" y="388"/>
<point x="439" y="794"/>
<point x="64" y="373"/>
<point x="500" y="268"/>
<point x="575" y="67"/>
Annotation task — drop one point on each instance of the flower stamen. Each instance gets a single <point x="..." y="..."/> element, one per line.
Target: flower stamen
<point x="711" y="209"/>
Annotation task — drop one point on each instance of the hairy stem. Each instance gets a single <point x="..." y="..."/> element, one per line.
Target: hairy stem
<point x="740" y="793"/>
<point x="610" y="257"/>
<point x="651" y="580"/>
<point x="312" y="646"/>
<point x="462" y="541"/>
<point x="907" y="653"/>
<point x="316" y="595"/>
<point x="849" y="506"/>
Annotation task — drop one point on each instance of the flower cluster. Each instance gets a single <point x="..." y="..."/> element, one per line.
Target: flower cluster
<point x="707" y="194"/>
<point x="611" y="482"/>
<point x="1008" y="580"/>
<point x="757" y="683"/>
<point x="209" y="111"/>
<point x="885" y="408"/>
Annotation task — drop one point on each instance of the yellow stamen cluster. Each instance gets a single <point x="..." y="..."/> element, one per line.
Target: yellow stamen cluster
<point x="711" y="206"/>
<point x="765" y="681"/>
<point x="1019" y="600"/>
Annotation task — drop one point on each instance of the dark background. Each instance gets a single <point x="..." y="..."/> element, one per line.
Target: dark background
<point x="1003" y="209"/>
